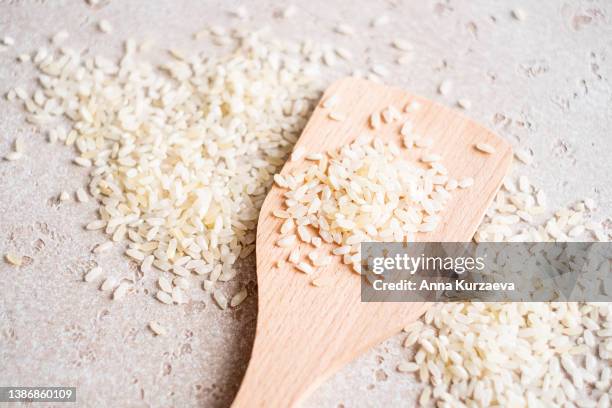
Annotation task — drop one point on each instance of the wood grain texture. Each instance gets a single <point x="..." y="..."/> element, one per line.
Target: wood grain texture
<point x="305" y="333"/>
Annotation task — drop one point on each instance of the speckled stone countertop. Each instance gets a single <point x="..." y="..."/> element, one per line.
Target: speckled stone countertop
<point x="542" y="83"/>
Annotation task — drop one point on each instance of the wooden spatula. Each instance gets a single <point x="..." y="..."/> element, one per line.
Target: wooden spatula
<point x="305" y="333"/>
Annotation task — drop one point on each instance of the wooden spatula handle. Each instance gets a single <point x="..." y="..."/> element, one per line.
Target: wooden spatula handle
<point x="305" y="334"/>
<point x="291" y="354"/>
<point x="276" y="377"/>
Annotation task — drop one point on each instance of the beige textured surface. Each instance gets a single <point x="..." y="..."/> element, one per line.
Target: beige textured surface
<point x="543" y="84"/>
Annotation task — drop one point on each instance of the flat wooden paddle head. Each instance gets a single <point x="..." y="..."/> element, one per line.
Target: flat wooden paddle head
<point x="305" y="333"/>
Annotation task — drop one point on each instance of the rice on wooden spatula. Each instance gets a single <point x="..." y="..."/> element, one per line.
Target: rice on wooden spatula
<point x="374" y="163"/>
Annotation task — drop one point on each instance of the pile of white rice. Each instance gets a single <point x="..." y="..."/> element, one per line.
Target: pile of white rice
<point x="182" y="154"/>
<point x="518" y="354"/>
<point x="363" y="192"/>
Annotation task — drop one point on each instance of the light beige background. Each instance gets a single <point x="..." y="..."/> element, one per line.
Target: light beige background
<point x="544" y="84"/>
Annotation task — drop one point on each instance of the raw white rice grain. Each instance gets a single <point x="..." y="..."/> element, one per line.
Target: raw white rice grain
<point x="445" y="87"/>
<point x="121" y="291"/>
<point x="401" y="44"/>
<point x="406" y="367"/>
<point x="294" y="256"/>
<point x="329" y="58"/>
<point x="239" y="297"/>
<point x="81" y="195"/>
<point x="289" y="11"/>
<point x="523" y="156"/>
<point x="412" y="106"/>
<point x="220" y="299"/>
<point x="337" y="116"/>
<point x="95" y="225"/>
<point x="179" y="296"/>
<point x="406" y="129"/>
<point x="181" y="282"/>
<point x="217" y="30"/>
<point x="541" y="198"/>
<point x="93" y="274"/>
<point x="287" y="226"/>
<point x="305" y="267"/>
<point x="13" y="156"/>
<point x="344" y="29"/>
<point x="314" y="156"/>
<point x="208" y="285"/>
<point x="60" y="37"/>
<point x="380" y="21"/>
<point x="344" y="53"/>
<point x="431" y="157"/>
<point x="157" y="328"/>
<point x="147" y="263"/>
<point x="425" y="396"/>
<point x="8" y="41"/>
<point x="19" y="145"/>
<point x="375" y="120"/>
<point x="405" y="59"/>
<point x="304" y="234"/>
<point x="485" y="148"/>
<point x="519" y="14"/>
<point x="105" y="26"/>
<point x="164" y="284"/>
<point x="423" y="142"/>
<point x="330" y="101"/>
<point x="14" y="259"/>
<point x="108" y="284"/>
<point x="286" y="241"/>
<point x="164" y="297"/>
<point x="80" y="161"/>
<point x="21" y="93"/>
<point x="241" y="12"/>
<point x="341" y="250"/>
<point x="590" y="203"/>
<point x="464" y="103"/>
<point x="380" y="70"/>
<point x="24" y="58"/>
<point x="452" y="184"/>
<point x="103" y="247"/>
